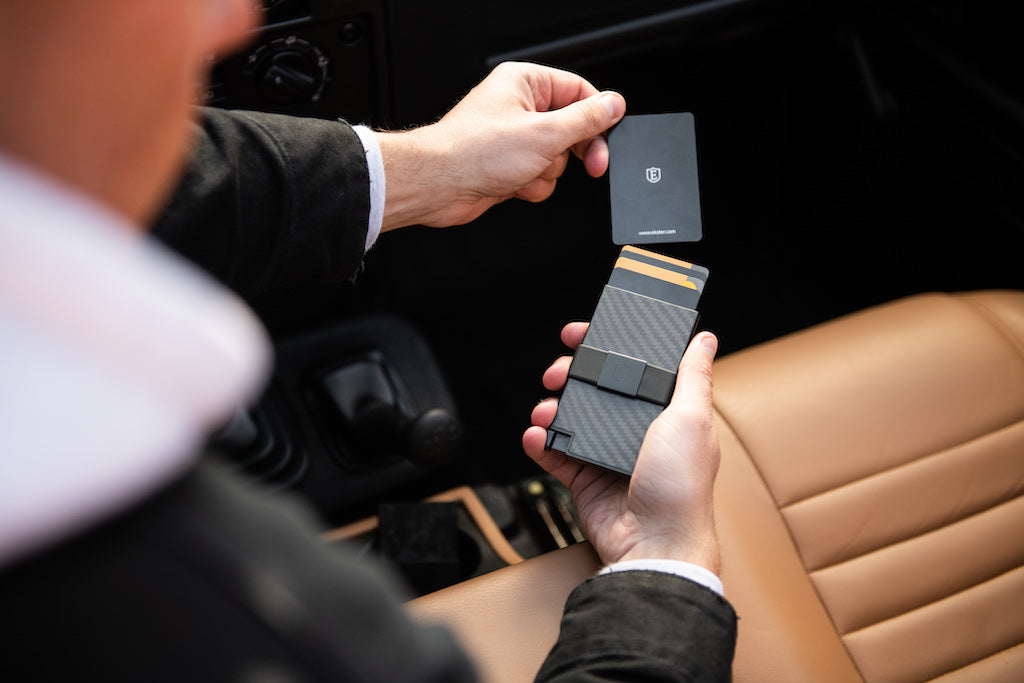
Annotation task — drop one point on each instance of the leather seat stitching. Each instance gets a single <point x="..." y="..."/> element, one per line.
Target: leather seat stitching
<point x="984" y="659"/>
<point x="926" y="605"/>
<point x="746" y="452"/>
<point x="908" y="463"/>
<point x="992" y="321"/>
<point x="995" y="322"/>
<point x="936" y="530"/>
<point x="991" y="506"/>
<point x="911" y="463"/>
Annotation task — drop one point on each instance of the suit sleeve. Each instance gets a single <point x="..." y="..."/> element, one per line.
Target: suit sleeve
<point x="269" y="200"/>
<point x="643" y="625"/>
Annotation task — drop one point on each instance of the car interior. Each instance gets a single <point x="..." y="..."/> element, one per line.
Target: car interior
<point x="861" y="166"/>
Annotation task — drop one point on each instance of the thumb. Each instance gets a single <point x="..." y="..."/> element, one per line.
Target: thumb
<point x="589" y="117"/>
<point x="694" y="383"/>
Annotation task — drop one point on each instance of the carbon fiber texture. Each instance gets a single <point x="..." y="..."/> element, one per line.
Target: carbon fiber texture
<point x="641" y="327"/>
<point x="607" y="429"/>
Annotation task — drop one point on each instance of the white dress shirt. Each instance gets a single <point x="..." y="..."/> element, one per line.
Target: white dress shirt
<point x="116" y="358"/>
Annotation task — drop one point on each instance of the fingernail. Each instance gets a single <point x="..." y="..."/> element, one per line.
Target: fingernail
<point x="710" y="344"/>
<point x="611" y="102"/>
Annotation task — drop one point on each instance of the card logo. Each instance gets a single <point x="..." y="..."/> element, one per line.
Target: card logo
<point x="653" y="174"/>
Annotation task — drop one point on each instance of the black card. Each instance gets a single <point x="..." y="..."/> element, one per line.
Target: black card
<point x="655" y="195"/>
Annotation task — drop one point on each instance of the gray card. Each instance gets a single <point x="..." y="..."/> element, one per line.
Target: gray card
<point x="655" y="195"/>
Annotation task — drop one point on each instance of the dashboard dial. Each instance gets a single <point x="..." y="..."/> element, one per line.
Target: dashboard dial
<point x="290" y="71"/>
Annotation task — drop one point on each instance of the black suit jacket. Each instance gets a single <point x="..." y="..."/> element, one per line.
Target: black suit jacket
<point x="268" y="201"/>
<point x="213" y="580"/>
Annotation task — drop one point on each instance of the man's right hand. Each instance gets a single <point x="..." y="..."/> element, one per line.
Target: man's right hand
<point x="511" y="136"/>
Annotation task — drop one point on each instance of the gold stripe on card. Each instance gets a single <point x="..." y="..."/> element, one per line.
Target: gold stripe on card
<point x="655" y="272"/>
<point x="655" y="255"/>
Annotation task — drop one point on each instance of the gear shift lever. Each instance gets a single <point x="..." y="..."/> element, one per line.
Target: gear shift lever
<point x="381" y="420"/>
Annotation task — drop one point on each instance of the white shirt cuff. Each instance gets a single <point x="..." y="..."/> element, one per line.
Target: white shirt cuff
<point x="375" y="164"/>
<point x="687" y="570"/>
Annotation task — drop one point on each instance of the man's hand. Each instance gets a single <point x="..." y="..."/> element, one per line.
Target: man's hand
<point x="665" y="510"/>
<point x="511" y="136"/>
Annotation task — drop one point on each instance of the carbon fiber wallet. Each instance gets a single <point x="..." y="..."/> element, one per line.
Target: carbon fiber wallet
<point x="623" y="374"/>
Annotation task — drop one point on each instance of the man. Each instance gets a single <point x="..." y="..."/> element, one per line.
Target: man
<point x="120" y="557"/>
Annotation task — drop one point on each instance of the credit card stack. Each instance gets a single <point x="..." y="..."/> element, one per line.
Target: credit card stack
<point x="623" y="374"/>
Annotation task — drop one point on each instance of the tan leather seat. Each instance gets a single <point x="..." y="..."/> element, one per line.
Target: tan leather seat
<point x="869" y="506"/>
